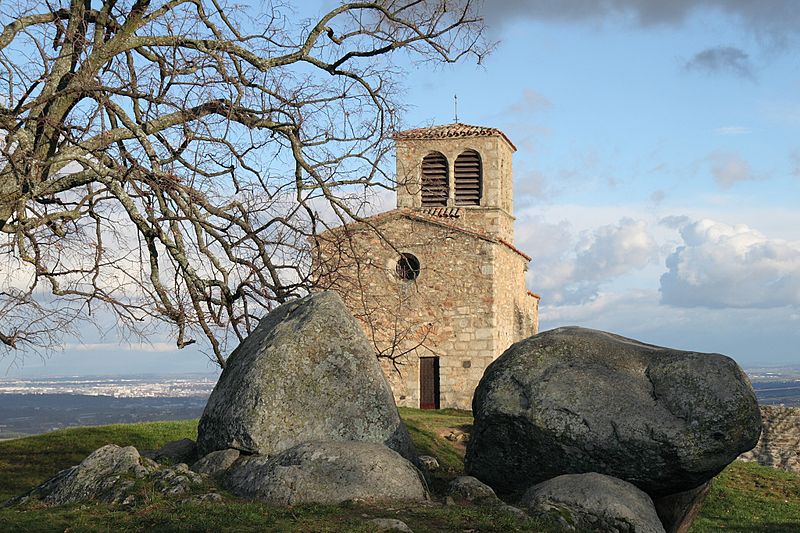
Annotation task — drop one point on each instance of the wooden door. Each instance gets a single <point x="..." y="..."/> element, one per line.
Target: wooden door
<point x="429" y="383"/>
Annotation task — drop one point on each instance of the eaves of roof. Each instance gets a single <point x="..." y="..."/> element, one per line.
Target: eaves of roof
<point x="413" y="215"/>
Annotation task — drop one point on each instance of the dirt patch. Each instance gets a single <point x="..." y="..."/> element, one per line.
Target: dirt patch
<point x="458" y="436"/>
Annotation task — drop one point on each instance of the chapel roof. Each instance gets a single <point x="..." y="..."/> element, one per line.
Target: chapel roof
<point x="430" y="216"/>
<point x="451" y="131"/>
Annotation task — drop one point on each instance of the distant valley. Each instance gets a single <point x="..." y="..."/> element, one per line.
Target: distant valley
<point x="776" y="386"/>
<point x="33" y="406"/>
<point x="778" y="393"/>
<point x="31" y="414"/>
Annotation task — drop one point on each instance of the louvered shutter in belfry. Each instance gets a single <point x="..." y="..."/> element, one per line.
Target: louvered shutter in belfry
<point x="435" y="180"/>
<point x="468" y="178"/>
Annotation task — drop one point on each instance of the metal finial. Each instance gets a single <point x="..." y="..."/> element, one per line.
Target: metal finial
<point x="455" y="104"/>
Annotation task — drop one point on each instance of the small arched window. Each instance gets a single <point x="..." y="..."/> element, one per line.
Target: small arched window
<point x="468" y="178"/>
<point x="435" y="180"/>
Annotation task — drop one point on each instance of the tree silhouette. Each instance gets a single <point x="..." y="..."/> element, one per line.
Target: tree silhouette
<point x="168" y="160"/>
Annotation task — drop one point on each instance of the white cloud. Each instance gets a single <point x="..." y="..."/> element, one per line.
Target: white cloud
<point x="732" y="130"/>
<point x="776" y="20"/>
<point x="531" y="101"/>
<point x="530" y="185"/>
<point x="613" y="250"/>
<point x="766" y="336"/>
<point x="658" y="196"/>
<point x="722" y="59"/>
<point x="722" y="265"/>
<point x="729" y="168"/>
<point x="147" y="347"/>
<point x="571" y="268"/>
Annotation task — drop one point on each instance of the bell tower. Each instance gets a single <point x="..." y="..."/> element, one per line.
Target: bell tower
<point x="437" y="282"/>
<point x="458" y="171"/>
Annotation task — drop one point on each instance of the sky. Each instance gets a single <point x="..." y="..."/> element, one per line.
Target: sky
<point x="657" y="178"/>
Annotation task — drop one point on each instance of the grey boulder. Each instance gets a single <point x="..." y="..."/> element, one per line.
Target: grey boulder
<point x="382" y="525"/>
<point x="593" y="502"/>
<point x="467" y="488"/>
<point x="174" y="452"/>
<point x="678" y="511"/>
<point x="108" y="474"/>
<point x="177" y="479"/>
<point x="327" y="472"/>
<point x="574" y="400"/>
<point x="307" y="372"/>
<point x="216" y="462"/>
<point x="429" y="463"/>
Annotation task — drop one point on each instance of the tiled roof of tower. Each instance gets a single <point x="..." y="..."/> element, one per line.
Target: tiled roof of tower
<point x="451" y="131"/>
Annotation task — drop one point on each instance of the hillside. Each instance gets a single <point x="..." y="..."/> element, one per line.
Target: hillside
<point x="746" y="497"/>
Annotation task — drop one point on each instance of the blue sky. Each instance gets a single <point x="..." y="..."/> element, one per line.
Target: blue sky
<point x="657" y="178"/>
<point x="658" y="173"/>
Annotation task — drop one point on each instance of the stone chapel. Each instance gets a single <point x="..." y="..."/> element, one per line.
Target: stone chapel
<point x="437" y="283"/>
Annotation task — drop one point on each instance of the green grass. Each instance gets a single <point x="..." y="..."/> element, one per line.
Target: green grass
<point x="745" y="497"/>
<point x="750" y="497"/>
<point x="238" y="515"/>
<point x="26" y="462"/>
<point x="424" y="426"/>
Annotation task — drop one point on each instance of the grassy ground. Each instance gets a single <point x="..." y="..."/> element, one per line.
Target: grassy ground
<point x="26" y="462"/>
<point x="745" y="497"/>
<point x="750" y="497"/>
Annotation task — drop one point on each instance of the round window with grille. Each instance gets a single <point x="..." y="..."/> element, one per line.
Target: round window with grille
<point x="407" y="267"/>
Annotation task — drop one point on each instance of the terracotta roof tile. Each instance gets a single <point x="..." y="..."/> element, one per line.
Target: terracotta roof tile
<point x="450" y="131"/>
<point x="515" y="249"/>
<point x="421" y="215"/>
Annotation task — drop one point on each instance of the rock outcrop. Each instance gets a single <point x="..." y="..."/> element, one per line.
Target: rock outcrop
<point x="177" y="451"/>
<point x="327" y="472"/>
<point x="575" y="400"/>
<point x="106" y="475"/>
<point x="678" y="511"/>
<point x="176" y="479"/>
<point x="216" y="462"/>
<point x="306" y="373"/>
<point x="470" y="489"/>
<point x="110" y="474"/>
<point x="593" y="502"/>
<point x="384" y="525"/>
<point x="779" y="445"/>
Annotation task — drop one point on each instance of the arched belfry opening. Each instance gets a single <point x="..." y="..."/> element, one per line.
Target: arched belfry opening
<point x="435" y="180"/>
<point x="468" y="178"/>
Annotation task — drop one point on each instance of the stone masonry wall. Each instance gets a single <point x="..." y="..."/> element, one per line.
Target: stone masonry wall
<point x="517" y="310"/>
<point x="495" y="212"/>
<point x="467" y="306"/>
<point x="779" y="445"/>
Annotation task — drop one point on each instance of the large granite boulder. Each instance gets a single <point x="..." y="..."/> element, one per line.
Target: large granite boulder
<point x="174" y="452"/>
<point x="574" y="400"/>
<point x="306" y="373"/>
<point x="678" y="511"/>
<point x="593" y="502"/>
<point x="108" y="474"/>
<point x="467" y="488"/>
<point x="327" y="472"/>
<point x="216" y="462"/>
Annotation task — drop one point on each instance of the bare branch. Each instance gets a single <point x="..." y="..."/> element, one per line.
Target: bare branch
<point x="171" y="161"/>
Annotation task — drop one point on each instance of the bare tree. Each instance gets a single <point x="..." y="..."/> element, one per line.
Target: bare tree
<point x="349" y="260"/>
<point x="167" y="160"/>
